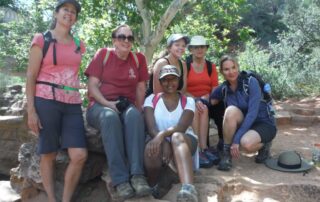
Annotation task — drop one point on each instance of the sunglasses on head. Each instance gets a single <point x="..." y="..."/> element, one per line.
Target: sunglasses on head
<point x="122" y="37"/>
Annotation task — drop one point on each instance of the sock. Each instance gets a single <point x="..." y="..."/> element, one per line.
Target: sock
<point x="226" y="147"/>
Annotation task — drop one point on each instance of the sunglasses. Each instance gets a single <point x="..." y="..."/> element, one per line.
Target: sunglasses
<point x="122" y="37"/>
<point x="201" y="47"/>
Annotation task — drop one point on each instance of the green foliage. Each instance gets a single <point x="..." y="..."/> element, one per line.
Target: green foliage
<point x="217" y="21"/>
<point x="7" y="80"/>
<point x="17" y="35"/>
<point x="293" y="65"/>
<point x="7" y="3"/>
<point x="264" y="17"/>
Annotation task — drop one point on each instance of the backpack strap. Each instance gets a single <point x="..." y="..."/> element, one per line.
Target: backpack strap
<point x="77" y="41"/>
<point x="135" y="58"/>
<point x="155" y="99"/>
<point x="189" y="61"/>
<point x="133" y="54"/>
<point x="106" y="57"/>
<point x="183" y="100"/>
<point x="209" y="67"/>
<point x="47" y="36"/>
<point x="224" y="91"/>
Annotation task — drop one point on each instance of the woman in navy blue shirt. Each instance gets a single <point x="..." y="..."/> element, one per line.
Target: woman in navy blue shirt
<point x="247" y="121"/>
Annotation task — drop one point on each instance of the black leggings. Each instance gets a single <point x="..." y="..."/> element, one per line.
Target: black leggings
<point x="216" y="113"/>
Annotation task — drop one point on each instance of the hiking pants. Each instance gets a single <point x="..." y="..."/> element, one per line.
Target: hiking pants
<point x="123" y="140"/>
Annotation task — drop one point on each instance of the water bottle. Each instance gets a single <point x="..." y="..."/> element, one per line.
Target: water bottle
<point x="316" y="154"/>
<point x="267" y="88"/>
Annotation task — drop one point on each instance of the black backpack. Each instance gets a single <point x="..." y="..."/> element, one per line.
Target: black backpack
<point x="189" y="61"/>
<point x="245" y="76"/>
<point x="47" y="36"/>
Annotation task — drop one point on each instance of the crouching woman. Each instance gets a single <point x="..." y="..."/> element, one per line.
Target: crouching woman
<point x="168" y="116"/>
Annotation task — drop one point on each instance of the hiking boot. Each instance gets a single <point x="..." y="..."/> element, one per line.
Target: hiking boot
<point x="140" y="185"/>
<point x="212" y="156"/>
<point x="204" y="161"/>
<point x="263" y="153"/>
<point x="225" y="163"/>
<point x="124" y="190"/>
<point x="187" y="193"/>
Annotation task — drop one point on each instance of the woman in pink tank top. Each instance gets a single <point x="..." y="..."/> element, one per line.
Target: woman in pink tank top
<point x="53" y="98"/>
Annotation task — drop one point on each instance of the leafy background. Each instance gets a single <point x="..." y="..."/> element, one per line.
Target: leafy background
<point x="278" y="38"/>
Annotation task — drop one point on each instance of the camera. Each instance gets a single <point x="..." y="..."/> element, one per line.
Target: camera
<point x="123" y="104"/>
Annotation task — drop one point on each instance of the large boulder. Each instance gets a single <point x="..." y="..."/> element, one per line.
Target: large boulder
<point x="13" y="133"/>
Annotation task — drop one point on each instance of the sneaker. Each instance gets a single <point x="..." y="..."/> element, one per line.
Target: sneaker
<point x="187" y="193"/>
<point x="124" y="190"/>
<point x="204" y="162"/>
<point x="263" y="153"/>
<point x="140" y="185"/>
<point x="225" y="164"/>
<point x="212" y="156"/>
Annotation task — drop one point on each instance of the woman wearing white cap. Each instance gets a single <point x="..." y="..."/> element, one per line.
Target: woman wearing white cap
<point x="168" y="116"/>
<point x="176" y="46"/>
<point x="202" y="79"/>
<point x="54" y="102"/>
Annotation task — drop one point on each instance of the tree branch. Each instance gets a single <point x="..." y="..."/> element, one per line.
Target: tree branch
<point x="146" y="17"/>
<point x="165" y="20"/>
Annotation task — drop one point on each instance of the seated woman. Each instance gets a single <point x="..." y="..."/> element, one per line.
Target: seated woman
<point x="168" y="116"/>
<point x="116" y="87"/>
<point x="202" y="79"/>
<point x="247" y="121"/>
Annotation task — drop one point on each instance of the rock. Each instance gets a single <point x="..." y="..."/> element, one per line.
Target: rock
<point x="16" y="88"/>
<point x="94" y="140"/>
<point x="26" y="178"/>
<point x="7" y="193"/>
<point x="283" y="117"/>
<point x="13" y="132"/>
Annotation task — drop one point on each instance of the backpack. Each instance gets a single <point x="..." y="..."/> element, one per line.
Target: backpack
<point x="189" y="61"/>
<point x="149" y="90"/>
<point x="245" y="76"/>
<point x="47" y="36"/>
<point x="156" y="98"/>
<point x="106" y="57"/>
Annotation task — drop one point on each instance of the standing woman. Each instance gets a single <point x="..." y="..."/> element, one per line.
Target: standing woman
<point x="247" y="122"/>
<point x="54" y="102"/>
<point x="176" y="46"/>
<point x="199" y="85"/>
<point x="117" y="84"/>
<point x="168" y="116"/>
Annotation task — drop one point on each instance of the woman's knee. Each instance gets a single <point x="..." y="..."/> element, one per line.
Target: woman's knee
<point x="233" y="113"/>
<point x="133" y="115"/>
<point x="78" y="155"/>
<point x="177" y="139"/>
<point x="248" y="145"/>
